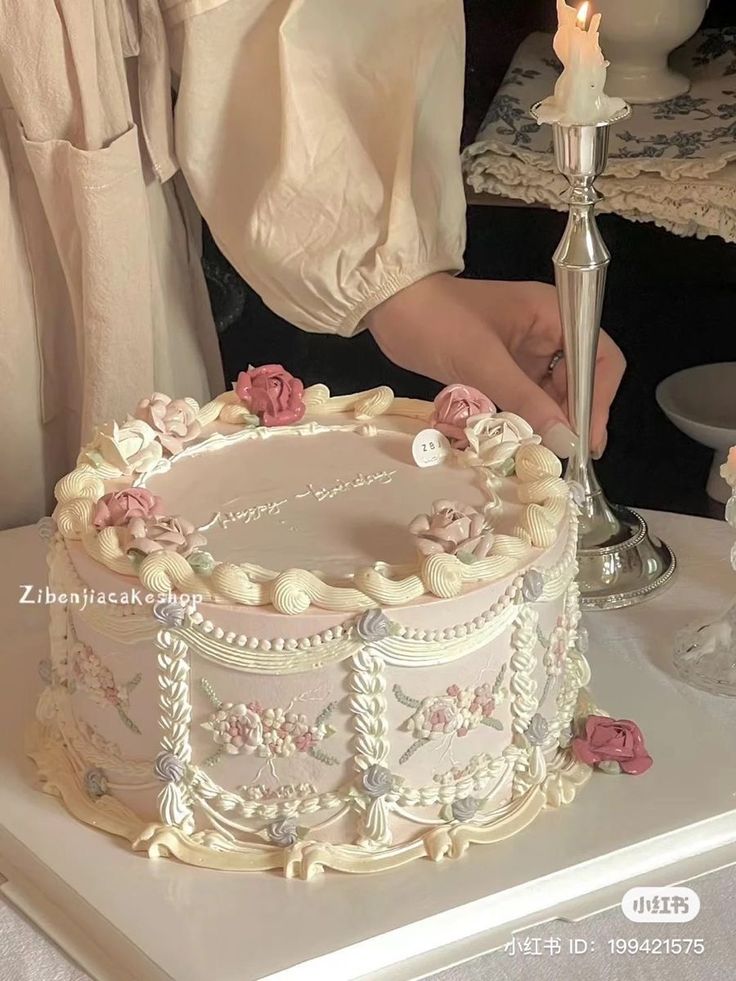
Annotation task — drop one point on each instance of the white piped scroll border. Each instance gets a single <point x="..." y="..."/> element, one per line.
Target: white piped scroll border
<point x="542" y="493"/>
<point x="278" y="656"/>
<point x="304" y="859"/>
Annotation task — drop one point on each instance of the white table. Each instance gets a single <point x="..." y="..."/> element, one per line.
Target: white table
<point x="630" y="655"/>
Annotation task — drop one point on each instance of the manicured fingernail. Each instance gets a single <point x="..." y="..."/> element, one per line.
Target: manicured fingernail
<point x="601" y="449"/>
<point x="561" y="440"/>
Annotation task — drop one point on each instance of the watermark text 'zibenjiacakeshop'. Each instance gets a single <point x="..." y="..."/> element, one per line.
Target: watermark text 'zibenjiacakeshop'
<point x="32" y="595"/>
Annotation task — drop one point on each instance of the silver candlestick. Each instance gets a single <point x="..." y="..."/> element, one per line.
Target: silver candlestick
<point x="621" y="563"/>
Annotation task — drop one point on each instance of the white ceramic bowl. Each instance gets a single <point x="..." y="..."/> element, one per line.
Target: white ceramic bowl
<point x="701" y="402"/>
<point x="638" y="36"/>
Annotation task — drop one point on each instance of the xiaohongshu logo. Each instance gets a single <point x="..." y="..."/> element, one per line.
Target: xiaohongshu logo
<point x="31" y="595"/>
<point x="660" y="904"/>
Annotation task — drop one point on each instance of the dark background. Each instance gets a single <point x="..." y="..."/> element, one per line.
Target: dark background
<point x="669" y="304"/>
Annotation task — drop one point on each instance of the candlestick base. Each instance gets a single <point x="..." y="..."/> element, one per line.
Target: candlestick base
<point x="621" y="563"/>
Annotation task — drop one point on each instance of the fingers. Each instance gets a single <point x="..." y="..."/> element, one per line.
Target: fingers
<point x="492" y="369"/>
<point x="610" y="367"/>
<point x="501" y="339"/>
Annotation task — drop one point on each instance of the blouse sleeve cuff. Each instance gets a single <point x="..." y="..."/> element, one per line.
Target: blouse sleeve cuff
<point x="353" y="322"/>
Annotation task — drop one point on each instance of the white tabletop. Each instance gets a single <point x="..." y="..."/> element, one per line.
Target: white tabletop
<point x="705" y="585"/>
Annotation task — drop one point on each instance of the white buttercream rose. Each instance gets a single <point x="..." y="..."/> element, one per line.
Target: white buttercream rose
<point x="175" y="420"/>
<point x="495" y="438"/>
<point x="452" y="528"/>
<point x="129" y="448"/>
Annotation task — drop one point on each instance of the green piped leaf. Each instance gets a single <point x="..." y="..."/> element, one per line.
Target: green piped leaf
<point x="135" y="558"/>
<point x="506" y="468"/>
<point x="323" y="757"/>
<point x="129" y="722"/>
<point x="133" y="683"/>
<point x="408" y="753"/>
<point x="467" y="558"/>
<point x="202" y="563"/>
<point x="325" y="714"/>
<point x="493" y="723"/>
<point x="401" y="696"/>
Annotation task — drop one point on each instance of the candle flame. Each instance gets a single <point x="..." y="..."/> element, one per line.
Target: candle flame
<point x="582" y="18"/>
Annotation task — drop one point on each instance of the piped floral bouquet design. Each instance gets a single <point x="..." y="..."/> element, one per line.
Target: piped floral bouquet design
<point x="252" y="730"/>
<point x="456" y="713"/>
<point x="88" y="674"/>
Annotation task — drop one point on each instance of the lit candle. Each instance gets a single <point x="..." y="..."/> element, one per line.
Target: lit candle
<point x="579" y="98"/>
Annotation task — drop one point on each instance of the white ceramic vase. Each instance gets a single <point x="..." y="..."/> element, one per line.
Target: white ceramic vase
<point x="637" y="37"/>
<point x="701" y="403"/>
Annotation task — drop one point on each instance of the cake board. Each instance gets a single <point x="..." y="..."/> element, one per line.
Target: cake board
<point x="121" y="916"/>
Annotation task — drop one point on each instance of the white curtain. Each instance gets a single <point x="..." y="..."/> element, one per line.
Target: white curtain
<point x="319" y="139"/>
<point x="102" y="297"/>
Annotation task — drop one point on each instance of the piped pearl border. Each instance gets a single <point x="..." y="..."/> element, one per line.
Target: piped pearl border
<point x="284" y="655"/>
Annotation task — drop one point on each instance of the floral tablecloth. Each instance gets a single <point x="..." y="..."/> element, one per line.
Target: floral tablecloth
<point x="673" y="163"/>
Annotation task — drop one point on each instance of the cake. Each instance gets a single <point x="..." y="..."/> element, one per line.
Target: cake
<point x="278" y="641"/>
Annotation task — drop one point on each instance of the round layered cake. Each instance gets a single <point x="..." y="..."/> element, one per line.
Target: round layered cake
<point x="300" y="631"/>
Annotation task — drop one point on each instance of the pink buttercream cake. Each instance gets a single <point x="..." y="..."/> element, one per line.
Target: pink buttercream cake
<point x="282" y="643"/>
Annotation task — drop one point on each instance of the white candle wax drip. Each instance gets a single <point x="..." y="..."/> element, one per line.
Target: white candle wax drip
<point x="579" y="98"/>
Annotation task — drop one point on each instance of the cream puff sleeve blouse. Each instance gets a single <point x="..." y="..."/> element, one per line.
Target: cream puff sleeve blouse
<point x="320" y="140"/>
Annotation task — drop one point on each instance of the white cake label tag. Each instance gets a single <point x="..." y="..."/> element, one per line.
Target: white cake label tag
<point x="429" y="448"/>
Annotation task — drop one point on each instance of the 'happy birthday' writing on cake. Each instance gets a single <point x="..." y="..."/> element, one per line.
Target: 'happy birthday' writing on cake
<point x="326" y="493"/>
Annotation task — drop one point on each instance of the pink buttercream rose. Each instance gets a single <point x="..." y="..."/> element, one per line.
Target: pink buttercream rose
<point x="174" y="420"/>
<point x="452" y="528"/>
<point x="453" y="407"/>
<point x="612" y="740"/>
<point x="120" y="507"/>
<point x="272" y="394"/>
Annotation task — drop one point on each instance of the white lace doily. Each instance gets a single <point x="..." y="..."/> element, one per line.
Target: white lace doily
<point x="673" y="163"/>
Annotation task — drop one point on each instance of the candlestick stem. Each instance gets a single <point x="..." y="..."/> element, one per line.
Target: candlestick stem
<point x="620" y="562"/>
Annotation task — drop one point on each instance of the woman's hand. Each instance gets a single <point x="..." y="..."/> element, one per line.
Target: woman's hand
<point x="498" y="337"/>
